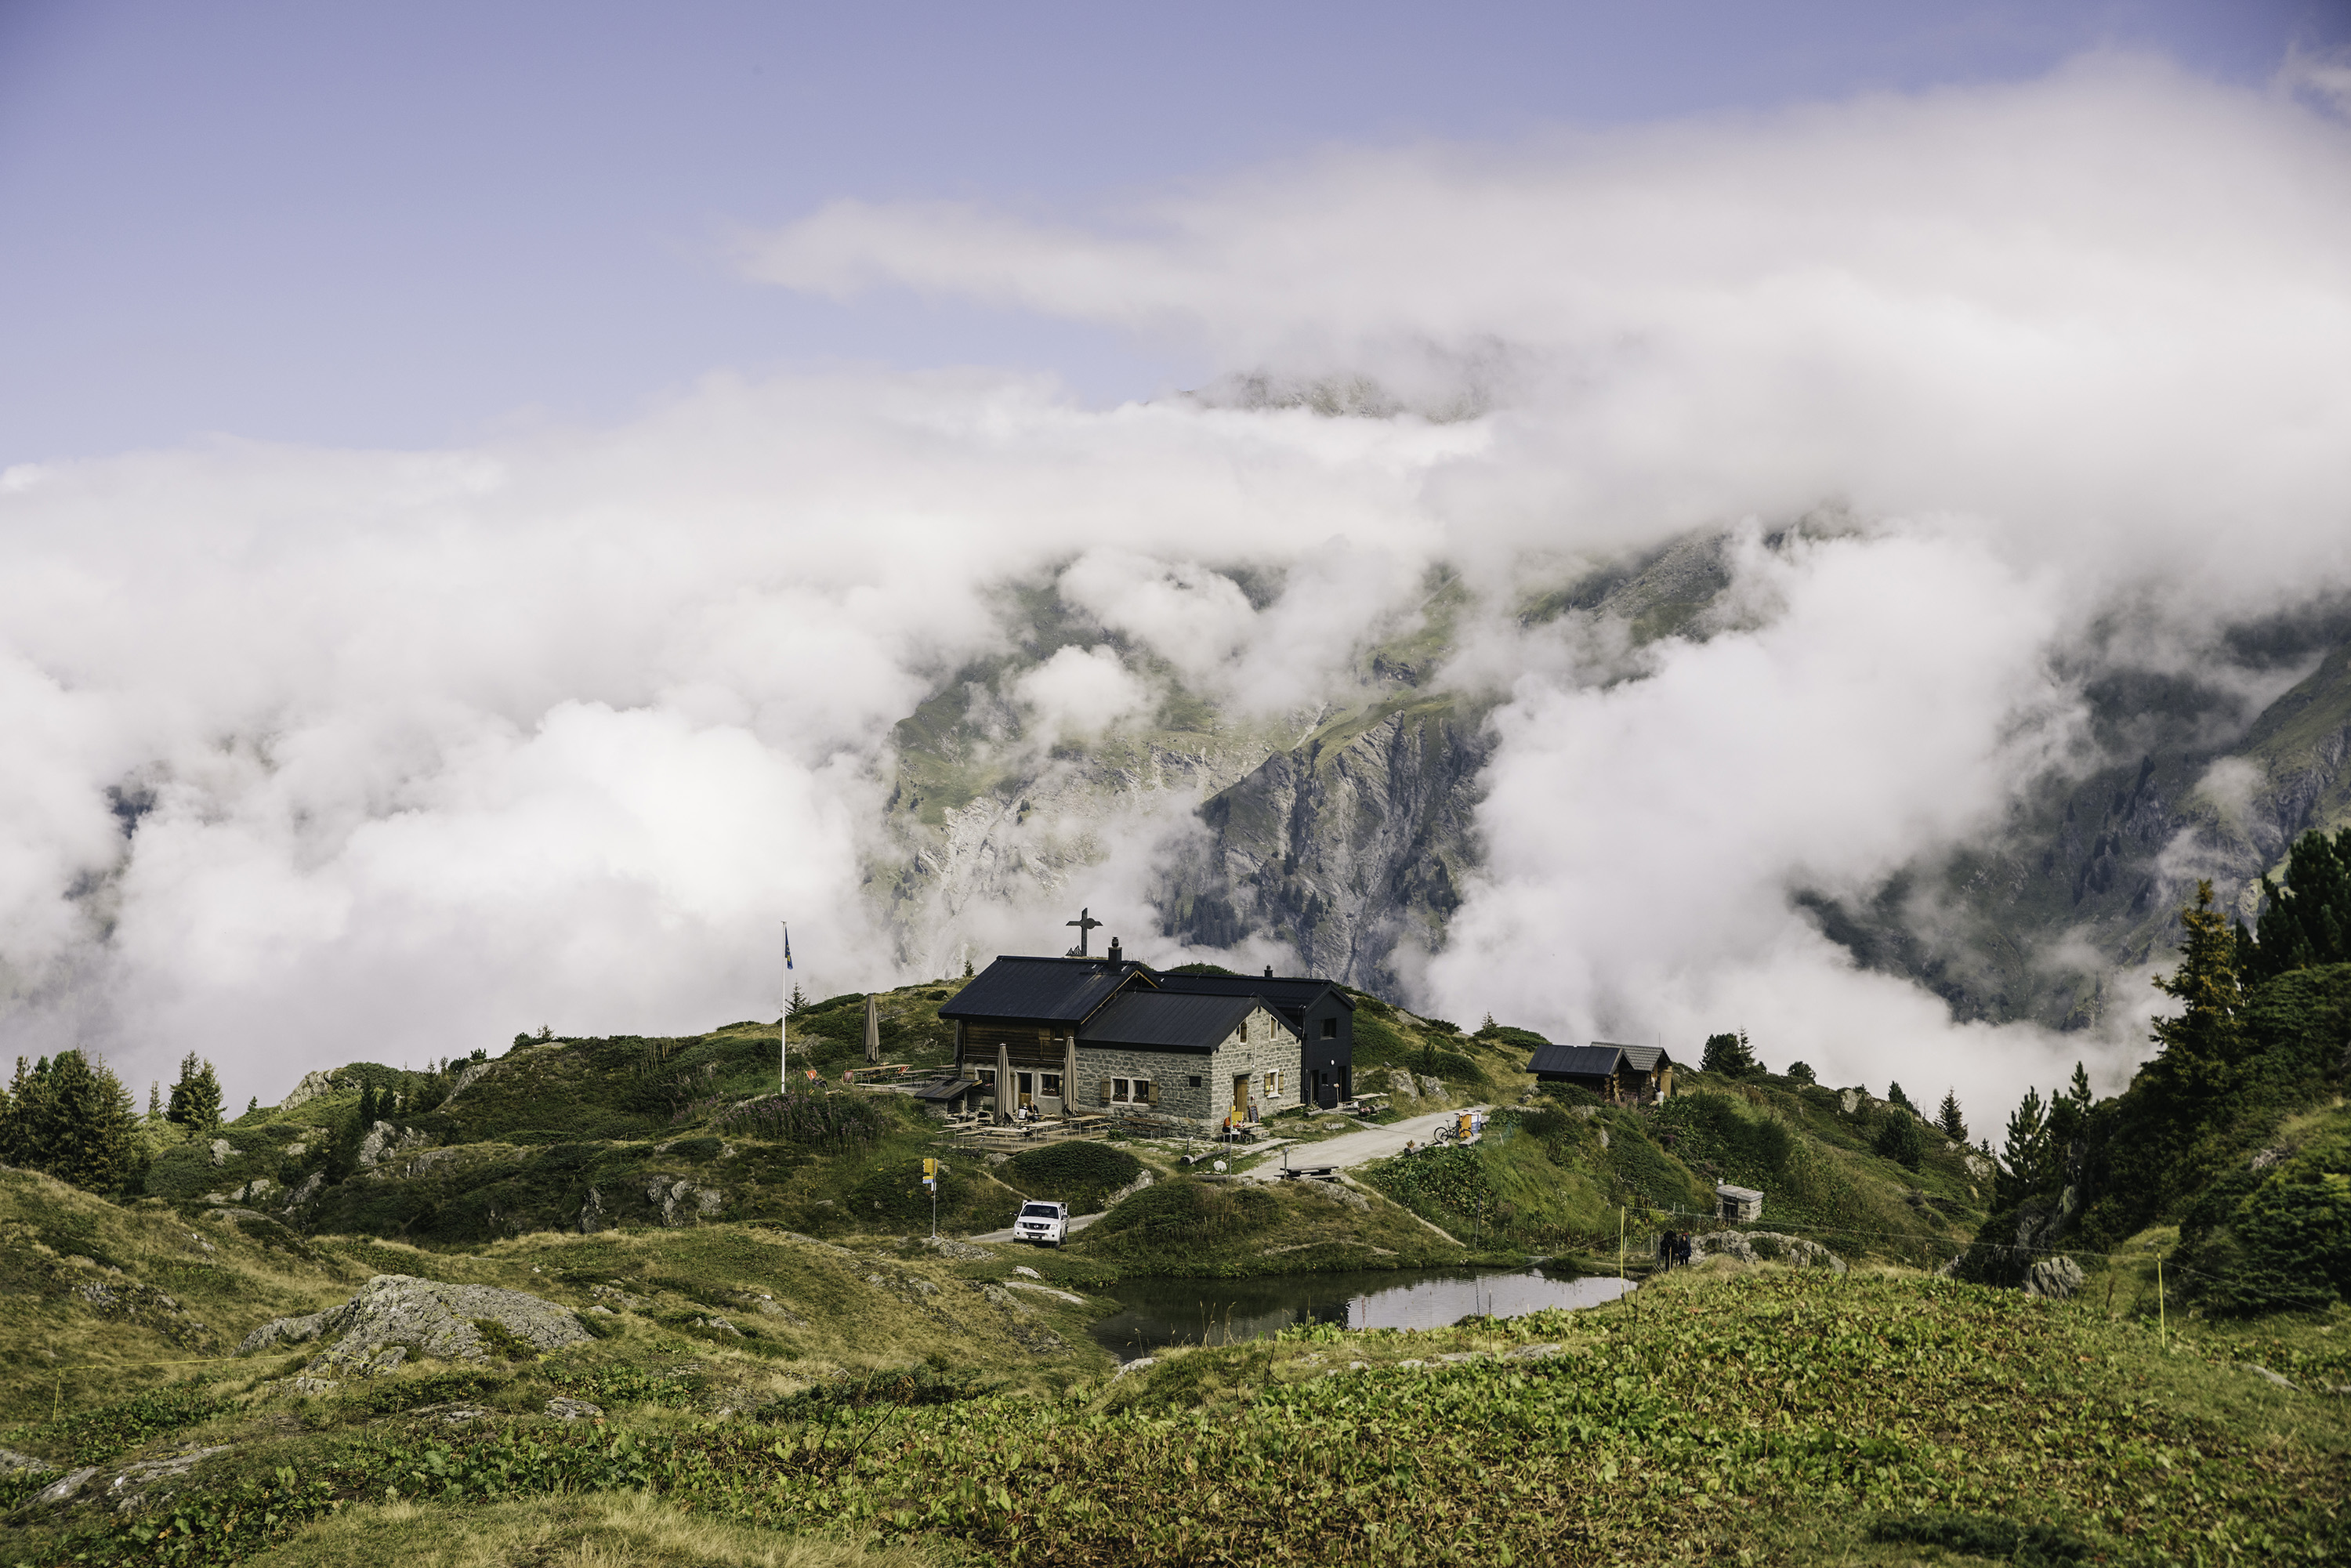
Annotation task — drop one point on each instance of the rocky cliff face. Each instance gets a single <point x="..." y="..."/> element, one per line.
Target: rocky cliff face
<point x="2084" y="883"/>
<point x="1344" y="846"/>
<point x="1348" y="834"/>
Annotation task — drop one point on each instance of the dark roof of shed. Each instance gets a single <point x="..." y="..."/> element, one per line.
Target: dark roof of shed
<point x="1644" y="1058"/>
<point x="1049" y="990"/>
<point x="1284" y="991"/>
<point x="1576" y="1061"/>
<point x="944" y="1088"/>
<point x="1173" y="1023"/>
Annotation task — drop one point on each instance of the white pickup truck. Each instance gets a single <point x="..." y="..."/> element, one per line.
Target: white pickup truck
<point x="1045" y="1224"/>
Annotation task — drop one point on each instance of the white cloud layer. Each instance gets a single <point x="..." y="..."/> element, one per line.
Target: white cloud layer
<point x="319" y="754"/>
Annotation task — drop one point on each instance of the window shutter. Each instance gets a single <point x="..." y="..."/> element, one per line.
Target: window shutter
<point x="1105" y="1090"/>
<point x="1151" y="1092"/>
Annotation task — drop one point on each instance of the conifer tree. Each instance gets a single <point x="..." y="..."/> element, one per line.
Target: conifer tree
<point x="1727" y="1054"/>
<point x="369" y="1110"/>
<point x="1947" y="1118"/>
<point x="2025" y="1159"/>
<point x="1802" y="1072"/>
<point x="73" y="1120"/>
<point x="154" y="1100"/>
<point x="2307" y="919"/>
<point x="196" y="1098"/>
<point x="2202" y="1046"/>
<point x="1893" y="1097"/>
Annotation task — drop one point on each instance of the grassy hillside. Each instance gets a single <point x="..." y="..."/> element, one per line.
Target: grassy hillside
<point x="1726" y="1416"/>
<point x="1558" y="1171"/>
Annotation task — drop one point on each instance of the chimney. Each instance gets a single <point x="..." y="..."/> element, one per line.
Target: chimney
<point x="1114" y="956"/>
<point x="1268" y="971"/>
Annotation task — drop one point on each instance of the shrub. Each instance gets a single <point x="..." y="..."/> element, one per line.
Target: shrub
<point x="1900" y="1138"/>
<point x="1185" y="1210"/>
<point x="801" y="1116"/>
<point x="1082" y="1175"/>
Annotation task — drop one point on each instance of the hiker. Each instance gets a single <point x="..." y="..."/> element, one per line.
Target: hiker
<point x="1665" y="1249"/>
<point x="1682" y="1248"/>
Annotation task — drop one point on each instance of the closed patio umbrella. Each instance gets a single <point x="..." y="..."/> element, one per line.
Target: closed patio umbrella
<point x="873" y="1032"/>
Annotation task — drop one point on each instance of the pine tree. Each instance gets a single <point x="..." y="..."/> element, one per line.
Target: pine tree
<point x="73" y="1120"/>
<point x="2202" y="1046"/>
<point x="1947" y="1118"/>
<point x="2025" y="1160"/>
<point x="1893" y="1097"/>
<point x="1727" y="1054"/>
<point x="2307" y="920"/>
<point x="369" y="1108"/>
<point x="154" y="1100"/>
<point x="1901" y="1138"/>
<point x="1802" y="1072"/>
<point x="196" y="1098"/>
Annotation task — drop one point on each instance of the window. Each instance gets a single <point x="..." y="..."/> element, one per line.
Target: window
<point x="1195" y="1081"/>
<point x="988" y="1079"/>
<point x="1118" y="1089"/>
<point x="1040" y="1211"/>
<point x="1052" y="1080"/>
<point x="1329" y="1029"/>
<point x="1273" y="1085"/>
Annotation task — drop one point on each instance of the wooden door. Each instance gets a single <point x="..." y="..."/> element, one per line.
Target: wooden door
<point x="1027" y="1088"/>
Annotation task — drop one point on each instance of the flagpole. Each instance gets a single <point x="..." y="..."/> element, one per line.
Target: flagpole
<point x="784" y="1020"/>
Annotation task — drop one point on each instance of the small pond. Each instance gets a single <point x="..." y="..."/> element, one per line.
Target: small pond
<point x="1161" y="1312"/>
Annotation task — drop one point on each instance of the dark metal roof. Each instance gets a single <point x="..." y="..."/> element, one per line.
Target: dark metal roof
<point x="944" y="1088"/>
<point x="1644" y="1058"/>
<point x="1043" y="990"/>
<point x="1167" y="1022"/>
<point x="1290" y="995"/>
<point x="1576" y="1061"/>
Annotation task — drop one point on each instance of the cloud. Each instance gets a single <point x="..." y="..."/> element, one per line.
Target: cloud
<point x="1079" y="693"/>
<point x="327" y="753"/>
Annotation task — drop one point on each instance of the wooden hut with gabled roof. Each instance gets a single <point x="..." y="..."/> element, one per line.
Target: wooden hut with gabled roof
<point x="1620" y="1074"/>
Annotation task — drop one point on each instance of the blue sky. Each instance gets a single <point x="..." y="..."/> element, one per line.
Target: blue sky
<point x="410" y="226"/>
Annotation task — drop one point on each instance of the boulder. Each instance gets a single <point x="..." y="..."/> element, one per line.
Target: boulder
<point x="681" y="1202"/>
<point x="66" y="1487"/>
<point x="564" y="1409"/>
<point x="2053" y="1279"/>
<point x="223" y="1151"/>
<point x="1763" y="1247"/>
<point x="146" y="1484"/>
<point x="12" y="1463"/>
<point x="394" y="1315"/>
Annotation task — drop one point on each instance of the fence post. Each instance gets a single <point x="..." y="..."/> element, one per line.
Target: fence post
<point x="2162" y="1327"/>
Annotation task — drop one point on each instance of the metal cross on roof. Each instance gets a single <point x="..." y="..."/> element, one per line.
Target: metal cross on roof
<point x="1085" y="921"/>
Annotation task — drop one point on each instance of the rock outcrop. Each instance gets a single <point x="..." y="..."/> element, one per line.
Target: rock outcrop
<point x="1764" y="1247"/>
<point x="314" y="1086"/>
<point x="2053" y="1279"/>
<point x="395" y="1315"/>
<point x="384" y="1141"/>
<point x="1344" y="846"/>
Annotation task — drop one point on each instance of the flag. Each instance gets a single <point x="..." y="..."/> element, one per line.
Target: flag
<point x="788" y="947"/>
